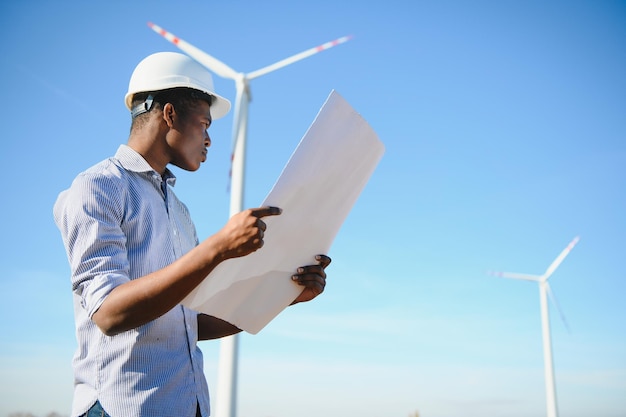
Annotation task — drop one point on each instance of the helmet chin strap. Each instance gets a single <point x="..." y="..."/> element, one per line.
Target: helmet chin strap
<point x="142" y="108"/>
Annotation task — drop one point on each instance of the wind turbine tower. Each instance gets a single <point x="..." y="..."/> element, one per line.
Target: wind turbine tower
<point x="544" y="292"/>
<point x="227" y="370"/>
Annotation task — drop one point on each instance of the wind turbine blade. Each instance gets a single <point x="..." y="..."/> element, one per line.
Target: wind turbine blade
<point x="515" y="275"/>
<point x="202" y="57"/>
<point x="558" y="307"/>
<point x="555" y="264"/>
<point x="297" y="57"/>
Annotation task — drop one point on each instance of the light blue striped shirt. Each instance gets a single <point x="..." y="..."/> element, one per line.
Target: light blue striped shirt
<point x="117" y="224"/>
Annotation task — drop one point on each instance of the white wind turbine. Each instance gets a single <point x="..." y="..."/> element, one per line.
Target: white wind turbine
<point x="227" y="372"/>
<point x="544" y="292"/>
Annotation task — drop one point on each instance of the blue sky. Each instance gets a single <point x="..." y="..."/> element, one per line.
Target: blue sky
<point x="504" y="124"/>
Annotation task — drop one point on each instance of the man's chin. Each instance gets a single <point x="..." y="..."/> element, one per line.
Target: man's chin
<point x="189" y="167"/>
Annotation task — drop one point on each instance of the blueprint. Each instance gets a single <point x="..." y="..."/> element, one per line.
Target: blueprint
<point x="316" y="191"/>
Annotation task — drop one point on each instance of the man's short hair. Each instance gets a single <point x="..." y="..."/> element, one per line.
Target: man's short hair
<point x="182" y="98"/>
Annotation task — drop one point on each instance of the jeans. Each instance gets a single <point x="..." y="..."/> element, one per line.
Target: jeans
<point x="96" y="410"/>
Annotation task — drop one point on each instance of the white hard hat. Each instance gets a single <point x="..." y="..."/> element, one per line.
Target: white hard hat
<point x="164" y="70"/>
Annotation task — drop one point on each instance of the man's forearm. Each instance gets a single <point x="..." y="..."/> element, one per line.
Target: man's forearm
<point x="210" y="327"/>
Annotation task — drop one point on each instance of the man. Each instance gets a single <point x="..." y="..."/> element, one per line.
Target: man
<point x="134" y="254"/>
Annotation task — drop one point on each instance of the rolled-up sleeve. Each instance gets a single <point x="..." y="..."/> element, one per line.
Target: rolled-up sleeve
<point x="89" y="215"/>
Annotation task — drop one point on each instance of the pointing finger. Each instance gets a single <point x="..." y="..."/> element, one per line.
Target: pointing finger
<point x="266" y="211"/>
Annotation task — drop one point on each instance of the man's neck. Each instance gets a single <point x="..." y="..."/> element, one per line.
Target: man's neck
<point x="149" y="148"/>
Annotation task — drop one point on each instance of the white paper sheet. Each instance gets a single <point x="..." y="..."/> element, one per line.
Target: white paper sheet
<point x="316" y="190"/>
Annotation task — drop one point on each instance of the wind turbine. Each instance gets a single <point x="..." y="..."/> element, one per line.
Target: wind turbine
<point x="544" y="292"/>
<point x="227" y="372"/>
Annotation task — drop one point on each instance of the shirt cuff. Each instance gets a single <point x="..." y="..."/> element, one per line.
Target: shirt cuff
<point x="99" y="288"/>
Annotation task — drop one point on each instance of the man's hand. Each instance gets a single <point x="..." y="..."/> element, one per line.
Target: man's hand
<point x="313" y="278"/>
<point x="243" y="234"/>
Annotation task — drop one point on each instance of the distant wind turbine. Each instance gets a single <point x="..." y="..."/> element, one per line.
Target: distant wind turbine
<point x="227" y="373"/>
<point x="544" y="292"/>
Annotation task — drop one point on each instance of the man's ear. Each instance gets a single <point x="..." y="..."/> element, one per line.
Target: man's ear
<point x="169" y="114"/>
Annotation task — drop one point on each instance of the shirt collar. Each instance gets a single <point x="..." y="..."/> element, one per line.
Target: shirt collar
<point x="131" y="160"/>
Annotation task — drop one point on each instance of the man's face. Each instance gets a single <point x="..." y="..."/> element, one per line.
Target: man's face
<point x="191" y="139"/>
